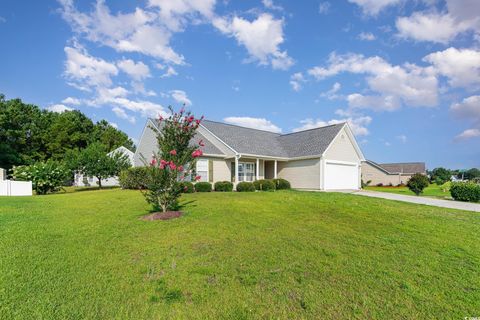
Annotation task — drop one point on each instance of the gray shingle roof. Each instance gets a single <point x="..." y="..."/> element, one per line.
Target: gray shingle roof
<point x="258" y="142"/>
<point x="408" y="167"/>
<point x="209" y="148"/>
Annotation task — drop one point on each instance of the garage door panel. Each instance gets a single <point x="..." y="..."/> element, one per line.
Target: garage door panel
<point x="340" y="176"/>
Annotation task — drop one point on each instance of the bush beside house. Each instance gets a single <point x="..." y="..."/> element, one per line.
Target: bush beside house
<point x="223" y="186"/>
<point x="465" y="191"/>
<point x="186" y="187"/>
<point x="203" y="187"/>
<point x="245" y="187"/>
<point x="417" y="183"/>
<point x="264" y="185"/>
<point x="45" y="176"/>
<point x="281" y="184"/>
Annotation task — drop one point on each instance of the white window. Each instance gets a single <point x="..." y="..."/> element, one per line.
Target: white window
<point x="202" y="169"/>
<point x="246" y="171"/>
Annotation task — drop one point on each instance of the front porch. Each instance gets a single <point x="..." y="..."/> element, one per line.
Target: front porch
<point x="250" y="169"/>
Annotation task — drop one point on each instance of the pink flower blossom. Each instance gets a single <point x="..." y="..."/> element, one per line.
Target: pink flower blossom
<point x="180" y="168"/>
<point x="197" y="178"/>
<point x="153" y="162"/>
<point x="160" y="118"/>
<point x="197" y="153"/>
<point x="163" y="163"/>
<point x="172" y="165"/>
<point x="173" y="152"/>
<point x="201" y="144"/>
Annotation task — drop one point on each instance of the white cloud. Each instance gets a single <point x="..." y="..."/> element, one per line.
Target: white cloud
<point x="373" y="7"/>
<point x="468" y="134"/>
<point x="358" y="124"/>
<point x="441" y="28"/>
<point x="137" y="70"/>
<point x="113" y="124"/>
<point x="461" y="16"/>
<point x="461" y="66"/>
<point x="366" y="36"/>
<point x="84" y="71"/>
<point x="140" y="31"/>
<point x="169" y="73"/>
<point x="261" y="37"/>
<point x="59" y="108"/>
<point x="270" y="5"/>
<point x="71" y="101"/>
<point x="332" y="93"/>
<point x="255" y="123"/>
<point x="181" y="97"/>
<point x="402" y="138"/>
<point x="377" y="103"/>
<point x="122" y="114"/>
<point x="296" y="81"/>
<point x="324" y="7"/>
<point x="413" y="85"/>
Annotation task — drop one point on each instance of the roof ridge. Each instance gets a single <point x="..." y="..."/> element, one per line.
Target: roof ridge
<point x="417" y="162"/>
<point x="316" y="128"/>
<point x="243" y="127"/>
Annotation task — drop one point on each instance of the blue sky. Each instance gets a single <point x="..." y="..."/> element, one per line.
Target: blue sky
<point x="404" y="74"/>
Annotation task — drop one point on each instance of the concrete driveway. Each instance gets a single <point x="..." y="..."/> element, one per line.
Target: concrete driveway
<point x="421" y="200"/>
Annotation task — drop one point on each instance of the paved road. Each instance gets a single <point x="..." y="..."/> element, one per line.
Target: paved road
<point x="421" y="200"/>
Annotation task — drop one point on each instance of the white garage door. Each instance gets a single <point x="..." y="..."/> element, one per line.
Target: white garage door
<point x="341" y="176"/>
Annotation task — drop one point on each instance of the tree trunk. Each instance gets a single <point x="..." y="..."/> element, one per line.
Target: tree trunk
<point x="99" y="183"/>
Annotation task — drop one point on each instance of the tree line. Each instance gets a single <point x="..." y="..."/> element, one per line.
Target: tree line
<point x="29" y="134"/>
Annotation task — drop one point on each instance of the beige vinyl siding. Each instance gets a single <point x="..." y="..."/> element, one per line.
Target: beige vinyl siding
<point x="376" y="176"/>
<point x="146" y="147"/>
<point x="302" y="174"/>
<point x="342" y="149"/>
<point x="221" y="170"/>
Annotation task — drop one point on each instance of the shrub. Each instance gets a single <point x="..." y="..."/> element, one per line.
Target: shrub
<point x="417" y="183"/>
<point x="45" y="176"/>
<point x="186" y="187"/>
<point x="245" y="187"/>
<point x="281" y="184"/>
<point x="203" y="187"/>
<point x="223" y="186"/>
<point x="264" y="185"/>
<point x="380" y="184"/>
<point x="134" y="178"/>
<point x="465" y="191"/>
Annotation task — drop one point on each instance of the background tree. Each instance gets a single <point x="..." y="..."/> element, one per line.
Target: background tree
<point x="440" y="175"/>
<point x="94" y="161"/>
<point x="472" y="174"/>
<point x="29" y="134"/>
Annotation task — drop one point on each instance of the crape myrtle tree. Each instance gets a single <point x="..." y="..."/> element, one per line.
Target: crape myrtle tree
<point x="94" y="161"/>
<point x="175" y="160"/>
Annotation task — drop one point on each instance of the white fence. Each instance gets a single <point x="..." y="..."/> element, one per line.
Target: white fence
<point x="15" y="188"/>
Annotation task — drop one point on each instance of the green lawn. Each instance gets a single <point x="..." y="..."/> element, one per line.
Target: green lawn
<point x="280" y="255"/>
<point x="432" y="190"/>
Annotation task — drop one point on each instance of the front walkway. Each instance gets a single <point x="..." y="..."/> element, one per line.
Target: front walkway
<point x="421" y="200"/>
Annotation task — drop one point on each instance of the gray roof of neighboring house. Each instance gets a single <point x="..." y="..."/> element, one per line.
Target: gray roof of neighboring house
<point x="408" y="167"/>
<point x="209" y="148"/>
<point x="259" y="142"/>
<point x="405" y="168"/>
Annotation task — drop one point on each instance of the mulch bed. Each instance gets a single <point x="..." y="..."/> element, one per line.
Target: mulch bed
<point x="162" y="215"/>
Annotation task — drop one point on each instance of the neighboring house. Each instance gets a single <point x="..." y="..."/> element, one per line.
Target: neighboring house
<point x="390" y="173"/>
<point x="84" y="181"/>
<point x="324" y="158"/>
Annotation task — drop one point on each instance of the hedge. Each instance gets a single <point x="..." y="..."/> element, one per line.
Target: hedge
<point x="465" y="191"/>
<point x="264" y="185"/>
<point x="245" y="187"/>
<point x="281" y="184"/>
<point x="186" y="187"/>
<point x="134" y="178"/>
<point x="223" y="186"/>
<point x="203" y="187"/>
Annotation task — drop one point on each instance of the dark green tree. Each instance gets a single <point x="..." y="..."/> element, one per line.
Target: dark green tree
<point x="472" y="174"/>
<point x="110" y="137"/>
<point x="417" y="183"/>
<point x="440" y="176"/>
<point x="94" y="161"/>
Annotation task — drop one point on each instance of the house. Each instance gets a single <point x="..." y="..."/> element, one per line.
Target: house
<point x="390" y="173"/>
<point x="83" y="181"/>
<point x="324" y="158"/>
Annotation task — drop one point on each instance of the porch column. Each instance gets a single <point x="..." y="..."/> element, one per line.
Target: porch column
<point x="236" y="170"/>
<point x="258" y="169"/>
<point x="275" y="170"/>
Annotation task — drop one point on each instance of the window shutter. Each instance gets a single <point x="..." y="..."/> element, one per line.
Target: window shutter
<point x="232" y="167"/>
<point x="210" y="170"/>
